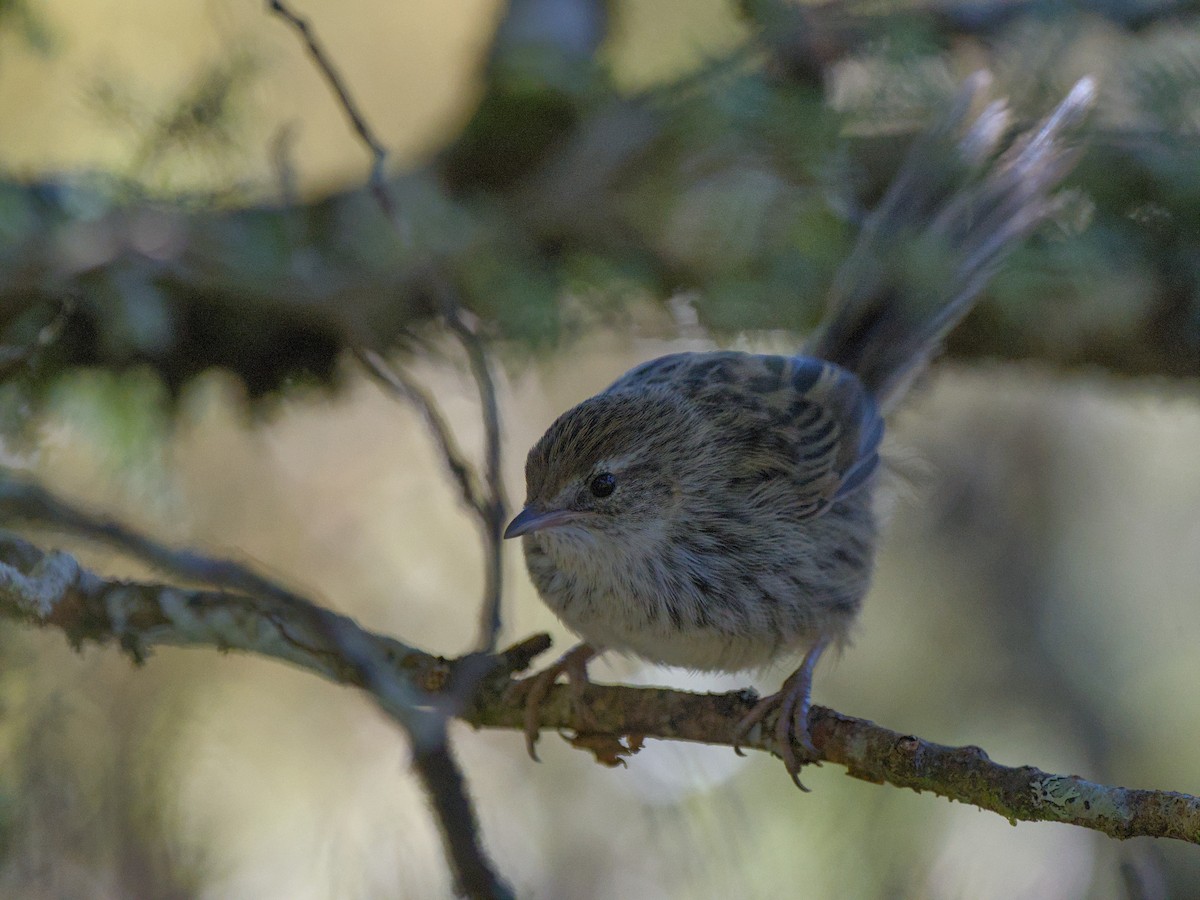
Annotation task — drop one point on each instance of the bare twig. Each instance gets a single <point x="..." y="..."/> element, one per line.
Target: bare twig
<point x="53" y="590"/>
<point x="488" y="505"/>
<point x="346" y="101"/>
<point x="29" y="502"/>
<point x="397" y="382"/>
<point x="494" y="510"/>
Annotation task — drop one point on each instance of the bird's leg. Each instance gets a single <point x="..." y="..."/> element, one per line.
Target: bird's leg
<point x="573" y="664"/>
<point x="792" y="702"/>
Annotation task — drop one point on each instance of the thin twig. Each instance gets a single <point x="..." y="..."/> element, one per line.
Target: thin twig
<point x="495" y="509"/>
<point x="346" y="101"/>
<point x="398" y="383"/>
<point x="490" y="507"/>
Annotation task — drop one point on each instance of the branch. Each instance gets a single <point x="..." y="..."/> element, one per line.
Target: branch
<point x="414" y="688"/>
<point x="52" y="590"/>
<point x="871" y="753"/>
<point x="297" y="630"/>
<point x="625" y="193"/>
<point x="225" y="287"/>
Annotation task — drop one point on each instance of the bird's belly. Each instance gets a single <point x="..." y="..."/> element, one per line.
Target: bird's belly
<point x="734" y="621"/>
<point x="698" y="649"/>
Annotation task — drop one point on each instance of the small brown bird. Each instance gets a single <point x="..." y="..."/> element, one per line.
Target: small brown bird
<point x="714" y="511"/>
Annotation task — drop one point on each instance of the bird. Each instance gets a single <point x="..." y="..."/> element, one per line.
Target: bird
<point x="716" y="511"/>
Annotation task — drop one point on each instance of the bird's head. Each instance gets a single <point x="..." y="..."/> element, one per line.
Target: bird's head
<point x="608" y="467"/>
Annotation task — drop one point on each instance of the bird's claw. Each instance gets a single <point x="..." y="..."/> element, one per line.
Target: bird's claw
<point x="536" y="688"/>
<point x="790" y="706"/>
<point x="791" y="729"/>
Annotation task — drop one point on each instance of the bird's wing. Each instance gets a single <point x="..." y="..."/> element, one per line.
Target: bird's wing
<point x="795" y="419"/>
<point x="841" y="406"/>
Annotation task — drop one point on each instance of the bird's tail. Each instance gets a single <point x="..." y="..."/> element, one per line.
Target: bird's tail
<point x="953" y="213"/>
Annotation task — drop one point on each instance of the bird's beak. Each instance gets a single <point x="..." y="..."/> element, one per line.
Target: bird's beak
<point x="533" y="519"/>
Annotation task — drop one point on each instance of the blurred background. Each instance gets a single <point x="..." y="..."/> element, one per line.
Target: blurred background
<point x="1037" y="594"/>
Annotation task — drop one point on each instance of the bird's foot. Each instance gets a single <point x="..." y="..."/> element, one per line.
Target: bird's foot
<point x="536" y="688"/>
<point x="790" y="705"/>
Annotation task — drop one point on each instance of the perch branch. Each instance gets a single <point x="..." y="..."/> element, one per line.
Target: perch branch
<point x="52" y="590"/>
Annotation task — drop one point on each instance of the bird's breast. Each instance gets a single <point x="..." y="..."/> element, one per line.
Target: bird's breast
<point x="729" y="596"/>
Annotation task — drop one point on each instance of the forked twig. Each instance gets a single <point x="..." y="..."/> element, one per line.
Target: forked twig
<point x="486" y="504"/>
<point x="432" y="757"/>
<point x="487" y="501"/>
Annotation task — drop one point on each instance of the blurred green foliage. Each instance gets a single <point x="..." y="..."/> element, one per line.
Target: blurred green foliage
<point x="742" y="182"/>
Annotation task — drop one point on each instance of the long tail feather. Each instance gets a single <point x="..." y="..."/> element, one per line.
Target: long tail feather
<point x="953" y="213"/>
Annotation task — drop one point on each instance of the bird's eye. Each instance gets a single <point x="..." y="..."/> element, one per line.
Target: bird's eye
<point x="603" y="485"/>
